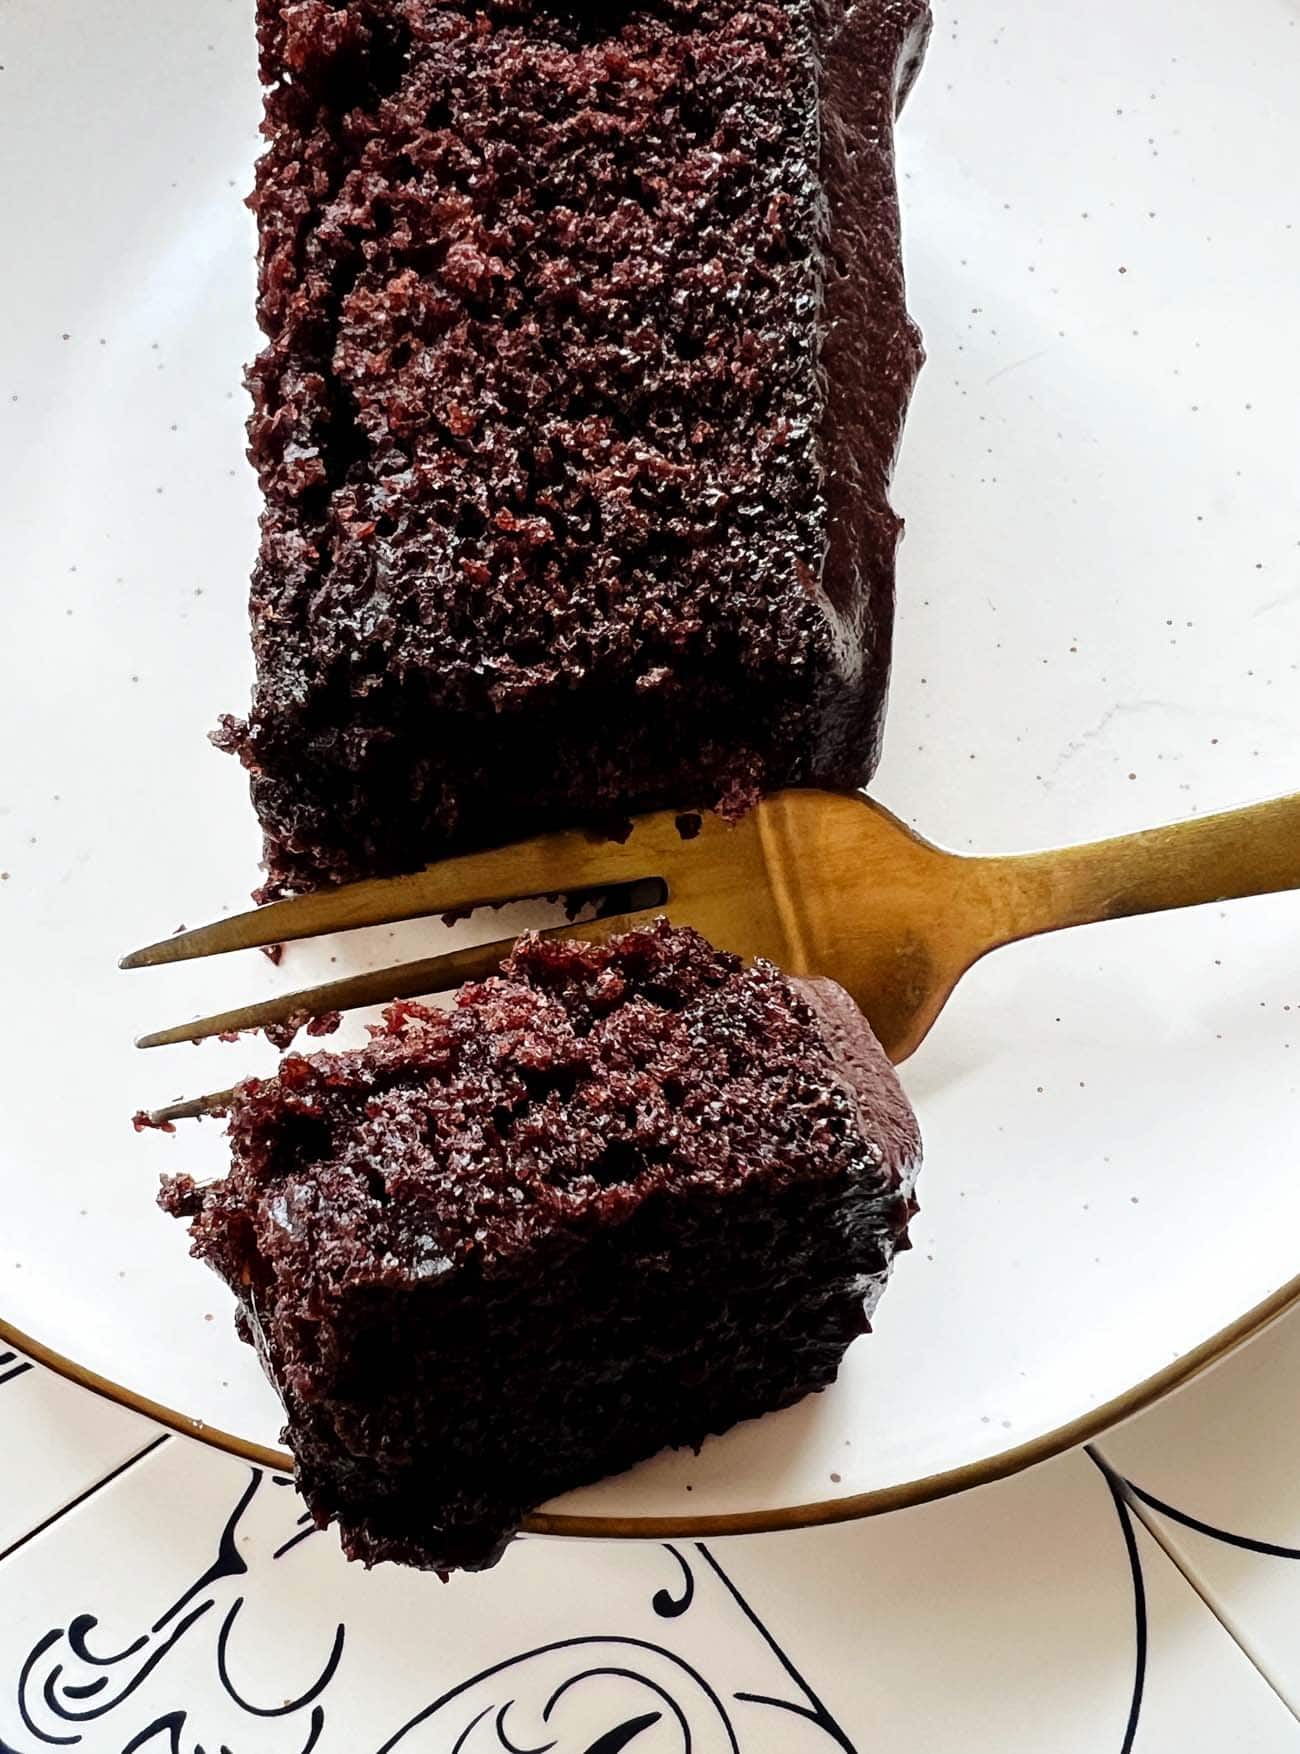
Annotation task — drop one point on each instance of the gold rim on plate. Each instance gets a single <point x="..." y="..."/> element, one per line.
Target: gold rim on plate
<point x="749" y="1522"/>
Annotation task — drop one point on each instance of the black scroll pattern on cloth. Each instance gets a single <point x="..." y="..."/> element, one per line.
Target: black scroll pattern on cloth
<point x="603" y="1692"/>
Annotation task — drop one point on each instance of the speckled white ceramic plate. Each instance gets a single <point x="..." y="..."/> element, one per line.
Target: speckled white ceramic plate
<point x="1099" y="629"/>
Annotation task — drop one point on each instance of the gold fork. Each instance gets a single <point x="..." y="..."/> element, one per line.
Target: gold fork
<point x="818" y="882"/>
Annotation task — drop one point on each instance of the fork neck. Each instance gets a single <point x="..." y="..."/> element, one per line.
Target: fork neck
<point x="1235" y="853"/>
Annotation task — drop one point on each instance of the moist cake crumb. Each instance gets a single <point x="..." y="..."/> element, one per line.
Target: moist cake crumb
<point x="587" y="358"/>
<point x="618" y="1198"/>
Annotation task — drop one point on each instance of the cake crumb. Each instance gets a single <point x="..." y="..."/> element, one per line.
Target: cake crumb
<point x="144" y="1122"/>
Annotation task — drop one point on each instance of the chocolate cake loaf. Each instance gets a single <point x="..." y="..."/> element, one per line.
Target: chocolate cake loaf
<point x="587" y="361"/>
<point x="619" y="1198"/>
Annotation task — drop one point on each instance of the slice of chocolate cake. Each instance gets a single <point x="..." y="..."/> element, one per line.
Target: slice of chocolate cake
<point x="587" y="362"/>
<point x="618" y="1199"/>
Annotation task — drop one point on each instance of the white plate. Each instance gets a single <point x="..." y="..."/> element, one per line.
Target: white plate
<point x="1099" y="629"/>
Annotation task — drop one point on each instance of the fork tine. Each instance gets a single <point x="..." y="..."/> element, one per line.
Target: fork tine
<point x="407" y="980"/>
<point x="215" y="1102"/>
<point x="549" y="864"/>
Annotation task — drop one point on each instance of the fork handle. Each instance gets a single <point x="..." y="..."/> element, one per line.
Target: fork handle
<point x="1251" y="851"/>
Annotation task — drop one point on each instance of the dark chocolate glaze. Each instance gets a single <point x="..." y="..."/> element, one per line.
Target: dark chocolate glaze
<point x="619" y="1198"/>
<point x="587" y="359"/>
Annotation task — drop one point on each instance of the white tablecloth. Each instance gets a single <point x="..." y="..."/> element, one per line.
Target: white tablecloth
<point x="1141" y="1595"/>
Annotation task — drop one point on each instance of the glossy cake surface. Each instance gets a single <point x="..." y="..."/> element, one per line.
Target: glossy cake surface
<point x="587" y="359"/>
<point x="618" y="1198"/>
